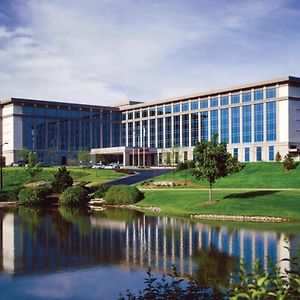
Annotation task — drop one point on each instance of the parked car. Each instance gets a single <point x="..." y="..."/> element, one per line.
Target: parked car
<point x="43" y="164"/>
<point x="86" y="166"/>
<point x="19" y="163"/>
<point x="98" y="166"/>
<point x="112" y="166"/>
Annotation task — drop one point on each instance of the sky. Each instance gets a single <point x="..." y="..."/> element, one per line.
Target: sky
<point x="109" y="51"/>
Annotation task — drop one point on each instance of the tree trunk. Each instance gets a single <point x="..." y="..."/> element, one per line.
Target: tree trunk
<point x="210" y="192"/>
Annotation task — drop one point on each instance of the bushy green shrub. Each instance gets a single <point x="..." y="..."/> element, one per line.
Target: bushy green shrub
<point x="100" y="191"/>
<point x="62" y="180"/>
<point x="34" y="196"/>
<point x="182" y="166"/>
<point x="289" y="163"/>
<point x="74" y="196"/>
<point x="123" y="194"/>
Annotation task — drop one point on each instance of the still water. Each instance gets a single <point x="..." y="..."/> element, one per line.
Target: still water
<point x="71" y="254"/>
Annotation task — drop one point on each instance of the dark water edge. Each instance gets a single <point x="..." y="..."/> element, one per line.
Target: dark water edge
<point x="77" y="254"/>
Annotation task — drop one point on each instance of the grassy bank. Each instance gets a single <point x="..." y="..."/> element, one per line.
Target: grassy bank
<point x="251" y="203"/>
<point x="16" y="176"/>
<point x="253" y="175"/>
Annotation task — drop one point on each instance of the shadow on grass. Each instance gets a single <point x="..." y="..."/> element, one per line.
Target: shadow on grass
<point x="250" y="194"/>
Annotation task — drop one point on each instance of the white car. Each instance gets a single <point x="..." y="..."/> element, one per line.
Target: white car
<point x="98" y="166"/>
<point x="112" y="166"/>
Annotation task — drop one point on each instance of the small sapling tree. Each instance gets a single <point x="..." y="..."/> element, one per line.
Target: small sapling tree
<point x="32" y="168"/>
<point x="278" y="157"/>
<point x="212" y="161"/>
<point x="288" y="163"/>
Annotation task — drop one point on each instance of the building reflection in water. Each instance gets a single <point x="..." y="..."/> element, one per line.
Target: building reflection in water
<point x="35" y="241"/>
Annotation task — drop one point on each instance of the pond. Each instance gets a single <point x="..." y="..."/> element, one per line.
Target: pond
<point x="73" y="254"/>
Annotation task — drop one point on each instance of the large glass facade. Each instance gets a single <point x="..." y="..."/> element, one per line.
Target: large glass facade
<point x="258" y="122"/>
<point x="160" y="132"/>
<point x="235" y="125"/>
<point x="214" y="123"/>
<point x="152" y="133"/>
<point x="194" y="128"/>
<point x="225" y="125"/>
<point x="247" y="124"/>
<point x="176" y="122"/>
<point x="271" y="121"/>
<point x="137" y="134"/>
<point x="185" y="130"/>
<point x="204" y="126"/>
<point x="168" y="132"/>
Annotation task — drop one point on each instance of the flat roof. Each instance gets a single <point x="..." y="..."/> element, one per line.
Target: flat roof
<point x="286" y="79"/>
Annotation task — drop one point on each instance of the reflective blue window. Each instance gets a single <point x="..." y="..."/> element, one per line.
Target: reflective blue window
<point x="40" y="134"/>
<point x="194" y="128"/>
<point x="115" y="135"/>
<point x="124" y="134"/>
<point x="74" y="135"/>
<point x="95" y="132"/>
<point x="235" y="125"/>
<point x="145" y="113"/>
<point x="28" y="110"/>
<point x="137" y="134"/>
<point x="52" y="135"/>
<point x="271" y="121"/>
<point x="271" y="93"/>
<point x="137" y="114"/>
<point x="130" y="134"/>
<point x="176" y="108"/>
<point x="176" y="121"/>
<point x="160" y="133"/>
<point x="214" y="124"/>
<point x="185" y="130"/>
<point x="271" y="153"/>
<point x="204" y="103"/>
<point x="105" y="134"/>
<point x="204" y="126"/>
<point x="144" y="134"/>
<point x="246" y="96"/>
<point x="152" y="133"/>
<point x="168" y="109"/>
<point x="152" y="112"/>
<point x="225" y="125"/>
<point x="258" y="122"/>
<point x="246" y="124"/>
<point x="236" y="152"/>
<point x="213" y="102"/>
<point x="247" y="154"/>
<point x="116" y="116"/>
<point x="64" y="134"/>
<point x="224" y="100"/>
<point x="258" y="95"/>
<point x="185" y="106"/>
<point x="123" y="116"/>
<point x="194" y="105"/>
<point x="86" y="133"/>
<point x="160" y="110"/>
<point x="258" y="154"/>
<point x="168" y="132"/>
<point x="235" y="98"/>
<point x="130" y="115"/>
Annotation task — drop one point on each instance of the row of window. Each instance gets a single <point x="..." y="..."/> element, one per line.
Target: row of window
<point x="235" y="98"/>
<point x="187" y="127"/>
<point x="258" y="154"/>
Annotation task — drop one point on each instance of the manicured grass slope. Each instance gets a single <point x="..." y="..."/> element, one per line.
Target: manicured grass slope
<point x="16" y="176"/>
<point x="255" y="203"/>
<point x="253" y="175"/>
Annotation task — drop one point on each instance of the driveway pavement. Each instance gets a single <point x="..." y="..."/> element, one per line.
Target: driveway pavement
<point x="142" y="174"/>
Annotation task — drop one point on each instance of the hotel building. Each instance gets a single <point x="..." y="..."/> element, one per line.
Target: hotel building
<point x="255" y="120"/>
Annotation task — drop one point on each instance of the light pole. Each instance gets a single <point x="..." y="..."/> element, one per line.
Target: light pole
<point x="1" y="171"/>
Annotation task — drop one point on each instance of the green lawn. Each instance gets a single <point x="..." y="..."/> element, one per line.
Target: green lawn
<point x="16" y="176"/>
<point x="253" y="203"/>
<point x="253" y="175"/>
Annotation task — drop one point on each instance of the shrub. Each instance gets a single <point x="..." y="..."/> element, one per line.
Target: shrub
<point x="74" y="196"/>
<point x="191" y="164"/>
<point x="182" y="166"/>
<point x="100" y="191"/>
<point x="62" y="180"/>
<point x="125" y="171"/>
<point x="288" y="163"/>
<point x="278" y="157"/>
<point x="123" y="194"/>
<point x="33" y="196"/>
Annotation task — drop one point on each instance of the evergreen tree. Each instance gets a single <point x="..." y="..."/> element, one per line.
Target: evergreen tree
<point x="62" y="180"/>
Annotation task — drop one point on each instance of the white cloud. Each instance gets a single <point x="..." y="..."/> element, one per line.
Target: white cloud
<point x="106" y="51"/>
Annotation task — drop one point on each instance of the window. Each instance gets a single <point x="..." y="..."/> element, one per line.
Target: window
<point x="225" y="125"/>
<point x="137" y="114"/>
<point x="204" y="126"/>
<point x="271" y="93"/>
<point x="271" y="121"/>
<point x="271" y="153"/>
<point x="246" y="96"/>
<point x="224" y="100"/>
<point x="176" y="130"/>
<point x="236" y="152"/>
<point x="247" y="124"/>
<point x="168" y="109"/>
<point x="258" y="122"/>
<point x="214" y="124"/>
<point x="123" y="134"/>
<point x="176" y="108"/>
<point x="258" y="95"/>
<point x="160" y="133"/>
<point x="168" y="132"/>
<point x="204" y="103"/>
<point x="185" y="106"/>
<point x="213" y="102"/>
<point x="123" y="116"/>
<point x="145" y="113"/>
<point x="152" y="133"/>
<point x="152" y="112"/>
<point x="137" y="133"/>
<point x="145" y="133"/>
<point x="194" y="105"/>
<point x="258" y="153"/>
<point x="185" y="156"/>
<point x="247" y="154"/>
<point x="130" y="134"/>
<point x="235" y="98"/>
<point x="160" y="110"/>
<point x="185" y="130"/>
<point x="235" y="125"/>
<point x="130" y="115"/>
<point x="194" y="128"/>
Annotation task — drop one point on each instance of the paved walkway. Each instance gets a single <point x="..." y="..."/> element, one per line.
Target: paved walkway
<point x="142" y="174"/>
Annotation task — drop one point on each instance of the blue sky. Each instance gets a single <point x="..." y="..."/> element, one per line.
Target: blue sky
<point x="108" y="51"/>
